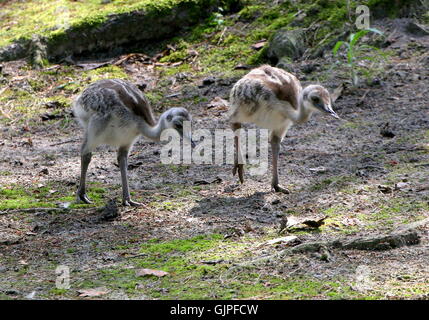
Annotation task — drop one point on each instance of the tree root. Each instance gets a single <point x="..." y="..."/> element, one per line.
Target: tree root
<point x="403" y="236"/>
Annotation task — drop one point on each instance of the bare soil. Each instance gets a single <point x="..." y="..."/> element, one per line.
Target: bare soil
<point x="358" y="159"/>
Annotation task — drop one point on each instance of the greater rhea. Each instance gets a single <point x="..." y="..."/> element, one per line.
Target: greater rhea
<point x="273" y="99"/>
<point x="116" y="112"/>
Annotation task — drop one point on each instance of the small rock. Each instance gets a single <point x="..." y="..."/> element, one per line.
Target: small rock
<point x="11" y="292"/>
<point x="275" y="201"/>
<point x="375" y="82"/>
<point x="110" y="211"/>
<point x="385" y="189"/>
<point x="386" y="132"/>
<point x="207" y="81"/>
<point x="286" y="43"/>
<point x="141" y="85"/>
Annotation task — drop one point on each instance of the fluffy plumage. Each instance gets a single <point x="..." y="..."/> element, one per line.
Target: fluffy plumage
<point x="273" y="99"/>
<point x="116" y="112"/>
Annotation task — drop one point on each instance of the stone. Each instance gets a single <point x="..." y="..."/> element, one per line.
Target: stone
<point x="208" y="81"/>
<point x="15" y="51"/>
<point x="286" y="43"/>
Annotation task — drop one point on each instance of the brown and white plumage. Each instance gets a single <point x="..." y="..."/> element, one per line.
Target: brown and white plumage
<point x="273" y="99"/>
<point x="116" y="112"/>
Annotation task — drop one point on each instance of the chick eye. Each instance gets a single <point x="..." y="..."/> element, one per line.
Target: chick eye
<point x="315" y="99"/>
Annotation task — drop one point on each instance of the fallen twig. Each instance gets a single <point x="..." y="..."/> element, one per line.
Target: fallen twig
<point x="64" y="142"/>
<point x="34" y="210"/>
<point x="135" y="255"/>
<point x="403" y="236"/>
<point x="221" y="35"/>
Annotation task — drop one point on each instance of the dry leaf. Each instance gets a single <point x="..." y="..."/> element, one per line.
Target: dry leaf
<point x="318" y="169"/>
<point x="350" y="221"/>
<point x="284" y="240"/>
<point x="218" y="104"/>
<point x="92" y="292"/>
<point x="150" y="272"/>
<point x="92" y="66"/>
<point x="259" y="45"/>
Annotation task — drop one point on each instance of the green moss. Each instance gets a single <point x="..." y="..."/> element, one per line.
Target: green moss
<point x="16" y="197"/>
<point x="20" y="20"/>
<point x="426" y="18"/>
<point x="259" y="57"/>
<point x="185" y="67"/>
<point x="336" y="181"/>
<point x="55" y="84"/>
<point x="58" y="292"/>
<point x="175" y="56"/>
<point x="106" y="72"/>
<point x="250" y="12"/>
<point x="189" y="278"/>
<point x="48" y="196"/>
<point x="181" y="245"/>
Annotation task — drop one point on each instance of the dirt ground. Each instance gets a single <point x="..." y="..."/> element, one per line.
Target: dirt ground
<point x="355" y="189"/>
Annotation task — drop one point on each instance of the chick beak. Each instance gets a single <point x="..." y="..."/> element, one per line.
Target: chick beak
<point x="334" y="114"/>
<point x="331" y="112"/>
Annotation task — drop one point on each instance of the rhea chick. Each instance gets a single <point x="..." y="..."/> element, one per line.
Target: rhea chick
<point x="116" y="112"/>
<point x="273" y="99"/>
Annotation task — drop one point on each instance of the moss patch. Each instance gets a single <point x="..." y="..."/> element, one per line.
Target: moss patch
<point x="191" y="278"/>
<point x="46" y="196"/>
<point x="20" y="20"/>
